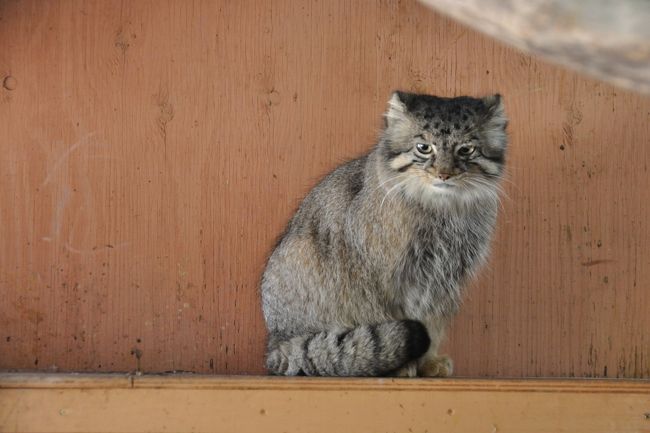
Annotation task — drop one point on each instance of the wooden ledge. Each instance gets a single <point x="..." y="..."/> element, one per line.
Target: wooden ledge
<point x="180" y="403"/>
<point x="274" y="383"/>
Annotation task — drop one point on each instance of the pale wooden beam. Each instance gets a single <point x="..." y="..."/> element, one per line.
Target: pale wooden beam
<point x="608" y="39"/>
<point x="125" y="403"/>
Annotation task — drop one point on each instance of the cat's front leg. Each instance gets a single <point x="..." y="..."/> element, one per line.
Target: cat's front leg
<point x="431" y="364"/>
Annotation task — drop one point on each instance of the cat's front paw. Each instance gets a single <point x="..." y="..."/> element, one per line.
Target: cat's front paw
<point x="439" y="366"/>
<point x="277" y="363"/>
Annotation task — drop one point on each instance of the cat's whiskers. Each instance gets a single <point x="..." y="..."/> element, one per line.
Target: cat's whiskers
<point x="478" y="187"/>
<point x="384" y="182"/>
<point x="495" y="185"/>
<point x="506" y="179"/>
<point x="397" y="176"/>
<point x="402" y="182"/>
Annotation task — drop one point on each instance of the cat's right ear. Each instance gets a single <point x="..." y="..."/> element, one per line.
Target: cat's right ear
<point x="396" y="113"/>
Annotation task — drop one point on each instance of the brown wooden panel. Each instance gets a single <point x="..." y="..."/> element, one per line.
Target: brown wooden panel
<point x="100" y="403"/>
<point x="150" y="152"/>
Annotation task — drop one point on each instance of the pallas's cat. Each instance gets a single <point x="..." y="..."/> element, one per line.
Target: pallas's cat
<point x="371" y="267"/>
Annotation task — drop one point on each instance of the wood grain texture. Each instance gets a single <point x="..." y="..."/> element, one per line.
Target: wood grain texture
<point x="150" y="152"/>
<point x="63" y="403"/>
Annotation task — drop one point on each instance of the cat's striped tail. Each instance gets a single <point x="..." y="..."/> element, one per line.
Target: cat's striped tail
<point x="367" y="350"/>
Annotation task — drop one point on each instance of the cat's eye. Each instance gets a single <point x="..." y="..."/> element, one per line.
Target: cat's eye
<point x="465" y="150"/>
<point x="424" y="148"/>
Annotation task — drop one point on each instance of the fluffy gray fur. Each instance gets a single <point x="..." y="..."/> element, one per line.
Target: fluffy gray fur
<point x="370" y="268"/>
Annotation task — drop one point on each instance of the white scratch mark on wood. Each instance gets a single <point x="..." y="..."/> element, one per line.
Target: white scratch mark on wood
<point x="59" y="211"/>
<point x="84" y="141"/>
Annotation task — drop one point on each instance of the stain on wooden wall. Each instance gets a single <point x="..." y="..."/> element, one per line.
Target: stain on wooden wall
<point x="150" y="152"/>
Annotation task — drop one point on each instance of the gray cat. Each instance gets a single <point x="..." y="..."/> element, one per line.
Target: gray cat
<point x="370" y="268"/>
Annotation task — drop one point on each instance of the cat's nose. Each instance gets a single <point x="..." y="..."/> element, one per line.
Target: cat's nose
<point x="444" y="176"/>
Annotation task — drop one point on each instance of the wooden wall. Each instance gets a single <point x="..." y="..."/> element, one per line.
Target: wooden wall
<point x="151" y="151"/>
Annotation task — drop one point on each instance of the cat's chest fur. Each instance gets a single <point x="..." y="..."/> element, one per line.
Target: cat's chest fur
<point x="440" y="251"/>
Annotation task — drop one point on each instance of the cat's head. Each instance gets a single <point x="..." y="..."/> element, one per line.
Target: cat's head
<point x="440" y="150"/>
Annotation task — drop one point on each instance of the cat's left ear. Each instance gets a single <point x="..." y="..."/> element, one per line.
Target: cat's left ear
<point x="396" y="113"/>
<point x="495" y="120"/>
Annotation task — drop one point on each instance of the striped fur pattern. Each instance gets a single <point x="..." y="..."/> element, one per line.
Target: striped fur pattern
<point x="370" y="268"/>
<point x="367" y="350"/>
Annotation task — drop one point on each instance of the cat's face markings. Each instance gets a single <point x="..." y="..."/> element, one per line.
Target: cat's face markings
<point x="401" y="162"/>
<point x="421" y="151"/>
<point x="458" y="142"/>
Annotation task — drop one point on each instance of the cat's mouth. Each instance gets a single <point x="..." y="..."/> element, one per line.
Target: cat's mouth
<point x="444" y="185"/>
